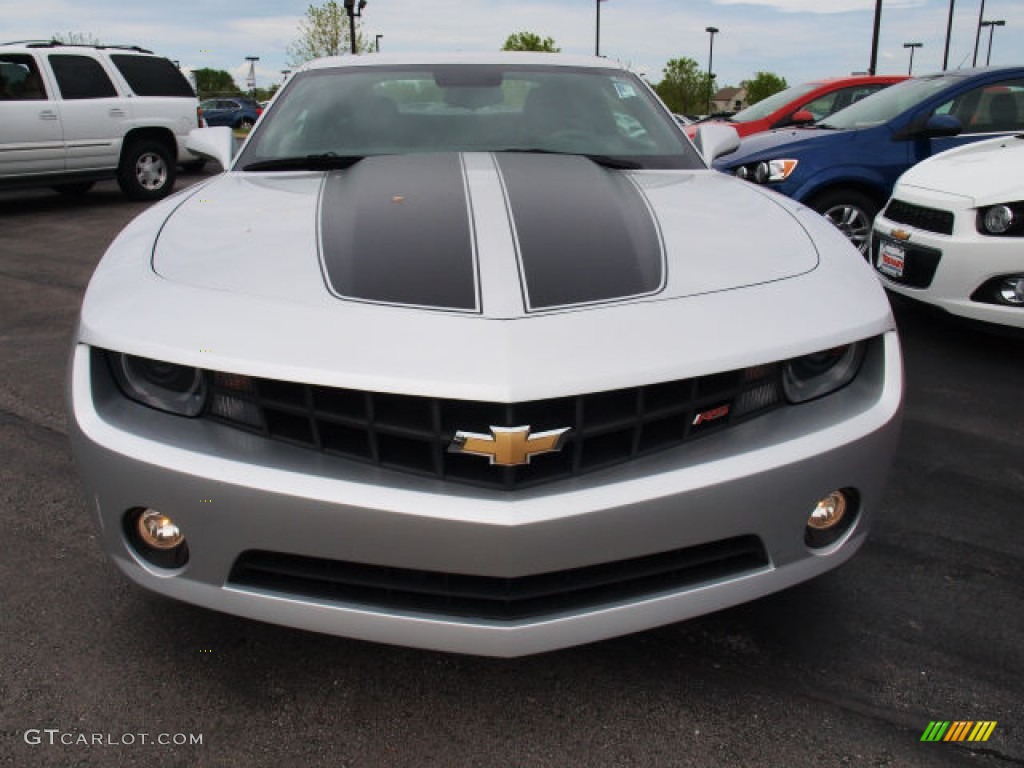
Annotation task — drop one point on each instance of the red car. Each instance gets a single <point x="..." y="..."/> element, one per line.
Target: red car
<point x="804" y="103"/>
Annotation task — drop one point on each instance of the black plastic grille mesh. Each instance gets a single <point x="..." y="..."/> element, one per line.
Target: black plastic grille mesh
<point x="928" y="219"/>
<point x="501" y="599"/>
<point x="413" y="434"/>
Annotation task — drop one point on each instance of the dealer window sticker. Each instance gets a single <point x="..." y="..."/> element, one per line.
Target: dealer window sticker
<point x="624" y="89"/>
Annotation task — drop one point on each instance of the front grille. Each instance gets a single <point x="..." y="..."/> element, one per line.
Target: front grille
<point x="928" y="219"/>
<point x="499" y="599"/>
<point x="413" y="434"/>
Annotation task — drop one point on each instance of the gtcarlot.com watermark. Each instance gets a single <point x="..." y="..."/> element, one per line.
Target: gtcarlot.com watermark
<point x="54" y="737"/>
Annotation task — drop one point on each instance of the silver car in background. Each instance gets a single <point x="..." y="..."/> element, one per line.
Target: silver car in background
<point x="476" y="353"/>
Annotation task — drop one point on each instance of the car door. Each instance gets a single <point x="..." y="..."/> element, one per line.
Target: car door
<point x="31" y="139"/>
<point x="95" y="115"/>
<point x="990" y="110"/>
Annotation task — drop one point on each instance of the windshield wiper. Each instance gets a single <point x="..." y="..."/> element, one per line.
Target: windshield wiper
<point x="605" y="161"/>
<point x="325" y="162"/>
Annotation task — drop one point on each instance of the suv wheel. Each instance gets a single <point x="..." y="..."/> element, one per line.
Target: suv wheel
<point x="246" y="123"/>
<point x="146" y="171"/>
<point x="851" y="211"/>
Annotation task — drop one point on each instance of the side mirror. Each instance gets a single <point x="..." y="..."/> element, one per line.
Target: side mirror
<point x="716" y="139"/>
<point x="941" y="125"/>
<point x="212" y="143"/>
<point x="801" y="117"/>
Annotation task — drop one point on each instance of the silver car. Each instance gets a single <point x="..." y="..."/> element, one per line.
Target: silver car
<point x="477" y="354"/>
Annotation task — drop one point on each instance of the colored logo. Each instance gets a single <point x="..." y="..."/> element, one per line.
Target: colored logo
<point x="958" y="730"/>
<point x="509" y="446"/>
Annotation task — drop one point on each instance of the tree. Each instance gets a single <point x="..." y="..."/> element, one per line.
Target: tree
<point x="76" y="38"/>
<point x="528" y="41"/>
<point x="325" y="32"/>
<point x="684" y="87"/>
<point x="763" y="85"/>
<point x="214" y="81"/>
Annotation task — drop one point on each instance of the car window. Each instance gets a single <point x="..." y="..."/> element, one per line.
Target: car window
<point x="990" y="109"/>
<point x="768" y="105"/>
<point x="20" y="79"/>
<point x="823" y="106"/>
<point x="465" y="108"/>
<point x="81" y="77"/>
<point x="152" y="75"/>
<point x="883" y="106"/>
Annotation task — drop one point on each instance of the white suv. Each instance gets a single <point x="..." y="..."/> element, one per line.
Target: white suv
<point x="71" y="115"/>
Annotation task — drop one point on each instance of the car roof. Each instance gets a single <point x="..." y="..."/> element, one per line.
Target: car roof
<point x="503" y="57"/>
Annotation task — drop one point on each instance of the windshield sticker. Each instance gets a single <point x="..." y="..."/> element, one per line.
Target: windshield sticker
<point x="624" y="89"/>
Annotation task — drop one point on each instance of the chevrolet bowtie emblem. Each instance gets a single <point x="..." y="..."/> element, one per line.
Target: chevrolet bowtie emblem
<point x="900" y="234"/>
<point x="509" y="446"/>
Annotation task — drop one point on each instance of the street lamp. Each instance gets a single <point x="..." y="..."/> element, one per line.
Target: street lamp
<point x="912" y="46"/>
<point x="251" y="79"/>
<point x="354" y="9"/>
<point x="991" y="28"/>
<point x="597" y="29"/>
<point x="977" y="35"/>
<point x="712" y="31"/>
<point x="376" y="42"/>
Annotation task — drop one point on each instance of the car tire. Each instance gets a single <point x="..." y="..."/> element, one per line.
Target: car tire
<point x="852" y="213"/>
<point x="76" y="189"/>
<point x="146" y="171"/>
<point x="246" y="124"/>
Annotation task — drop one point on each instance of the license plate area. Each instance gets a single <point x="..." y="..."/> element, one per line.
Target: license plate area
<point x="892" y="259"/>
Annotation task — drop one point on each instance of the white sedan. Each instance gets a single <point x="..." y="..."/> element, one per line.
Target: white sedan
<point x="478" y="354"/>
<point x="952" y="234"/>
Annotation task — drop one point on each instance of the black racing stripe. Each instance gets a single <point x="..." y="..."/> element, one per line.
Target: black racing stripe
<point x="585" y="232"/>
<point x="396" y="229"/>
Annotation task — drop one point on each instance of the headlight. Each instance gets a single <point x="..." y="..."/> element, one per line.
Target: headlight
<point x="169" y="387"/>
<point x="805" y="378"/>
<point x="1004" y="219"/>
<point x="767" y="170"/>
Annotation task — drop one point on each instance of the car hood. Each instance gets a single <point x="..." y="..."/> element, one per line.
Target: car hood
<point x="759" y="145"/>
<point x="494" y="236"/>
<point x="246" y="273"/>
<point x="987" y="172"/>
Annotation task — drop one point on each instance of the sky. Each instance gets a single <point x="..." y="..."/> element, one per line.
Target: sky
<point x="799" y="40"/>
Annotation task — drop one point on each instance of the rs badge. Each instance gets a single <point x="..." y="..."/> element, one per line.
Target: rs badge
<point x="509" y="446"/>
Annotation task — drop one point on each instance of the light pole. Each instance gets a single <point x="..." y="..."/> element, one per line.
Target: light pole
<point x="977" y="35"/>
<point x="376" y="42"/>
<point x="712" y="31"/>
<point x="949" y="31"/>
<point x="912" y="46"/>
<point x="251" y="79"/>
<point x="991" y="28"/>
<point x="353" y="9"/>
<point x="874" y="37"/>
<point x="597" y="28"/>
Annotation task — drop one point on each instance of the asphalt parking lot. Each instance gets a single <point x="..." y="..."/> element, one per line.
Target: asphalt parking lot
<point x="924" y="624"/>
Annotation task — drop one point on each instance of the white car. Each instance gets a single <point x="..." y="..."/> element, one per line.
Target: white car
<point x="72" y="115"/>
<point x="455" y="356"/>
<point x="952" y="234"/>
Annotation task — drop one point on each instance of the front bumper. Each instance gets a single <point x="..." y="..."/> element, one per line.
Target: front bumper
<point x="233" y="493"/>
<point x="963" y="262"/>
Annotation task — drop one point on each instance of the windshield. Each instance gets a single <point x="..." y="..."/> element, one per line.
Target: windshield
<point x="766" y="106"/>
<point x="352" y="112"/>
<point x="883" y="106"/>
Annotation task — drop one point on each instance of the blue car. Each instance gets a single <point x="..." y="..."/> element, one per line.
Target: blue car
<point x="844" y="167"/>
<point x="235" y="111"/>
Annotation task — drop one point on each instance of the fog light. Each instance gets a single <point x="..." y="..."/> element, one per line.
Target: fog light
<point x="156" y="537"/>
<point x="829" y="512"/>
<point x="158" y="531"/>
<point x="831" y="517"/>
<point x="1011" y="291"/>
